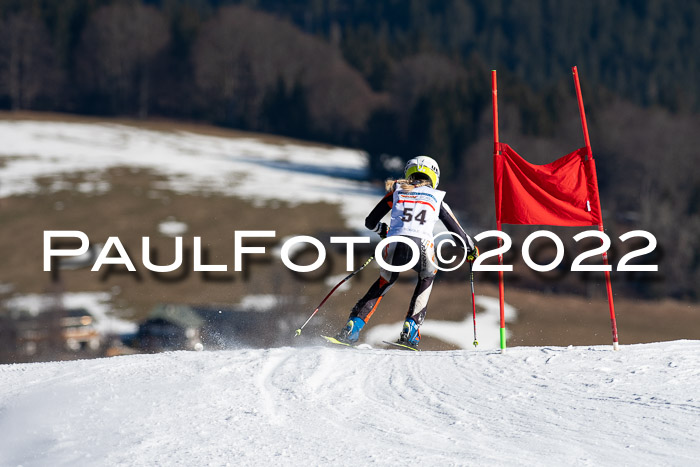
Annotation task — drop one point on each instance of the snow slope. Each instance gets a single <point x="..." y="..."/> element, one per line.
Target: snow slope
<point x="337" y="406"/>
<point x="191" y="163"/>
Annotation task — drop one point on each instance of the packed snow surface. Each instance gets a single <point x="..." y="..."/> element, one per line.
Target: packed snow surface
<point x="342" y="406"/>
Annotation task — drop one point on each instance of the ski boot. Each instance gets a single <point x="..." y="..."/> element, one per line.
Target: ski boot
<point x="351" y="332"/>
<point x="410" y="334"/>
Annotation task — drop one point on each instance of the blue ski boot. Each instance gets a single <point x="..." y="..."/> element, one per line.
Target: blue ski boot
<point x="351" y="332"/>
<point x="410" y="334"/>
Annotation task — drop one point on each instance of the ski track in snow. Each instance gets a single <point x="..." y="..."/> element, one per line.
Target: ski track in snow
<point x="323" y="405"/>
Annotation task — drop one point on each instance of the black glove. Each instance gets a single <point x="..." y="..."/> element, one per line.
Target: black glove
<point x="382" y="229"/>
<point x="473" y="254"/>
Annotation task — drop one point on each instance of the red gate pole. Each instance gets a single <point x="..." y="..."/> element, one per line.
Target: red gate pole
<point x="608" y="284"/>
<point x="496" y="152"/>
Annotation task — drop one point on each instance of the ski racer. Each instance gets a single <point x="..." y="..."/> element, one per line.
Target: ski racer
<point x="416" y="205"/>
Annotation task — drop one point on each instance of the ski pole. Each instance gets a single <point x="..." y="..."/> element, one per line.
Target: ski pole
<point x="471" y="280"/>
<point x="298" y="331"/>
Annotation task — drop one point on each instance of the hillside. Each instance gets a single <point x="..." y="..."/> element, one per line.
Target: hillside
<point x="161" y="179"/>
<point x="327" y="406"/>
<point x="393" y="80"/>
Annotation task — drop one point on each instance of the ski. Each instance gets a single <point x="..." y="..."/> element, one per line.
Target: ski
<point x="335" y="341"/>
<point x="402" y="346"/>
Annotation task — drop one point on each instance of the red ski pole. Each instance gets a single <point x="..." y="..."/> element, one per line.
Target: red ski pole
<point x="298" y="331"/>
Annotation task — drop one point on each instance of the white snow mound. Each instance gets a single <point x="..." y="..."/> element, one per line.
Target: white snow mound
<point x="337" y="406"/>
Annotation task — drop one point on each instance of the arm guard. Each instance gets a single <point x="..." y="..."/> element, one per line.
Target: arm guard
<point x="451" y="223"/>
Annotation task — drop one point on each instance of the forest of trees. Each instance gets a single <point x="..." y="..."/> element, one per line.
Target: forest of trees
<point x="398" y="78"/>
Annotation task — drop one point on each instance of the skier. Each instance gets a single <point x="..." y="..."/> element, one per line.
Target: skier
<point x="415" y="205"/>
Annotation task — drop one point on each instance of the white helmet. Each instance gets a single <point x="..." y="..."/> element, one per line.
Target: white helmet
<point x="425" y="165"/>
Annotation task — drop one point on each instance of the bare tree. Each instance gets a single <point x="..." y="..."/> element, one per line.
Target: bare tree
<point x="241" y="54"/>
<point x="28" y="68"/>
<point x="653" y="157"/>
<point x="116" y="53"/>
<point x="414" y="76"/>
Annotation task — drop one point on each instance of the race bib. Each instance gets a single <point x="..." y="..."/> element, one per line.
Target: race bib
<point x="415" y="212"/>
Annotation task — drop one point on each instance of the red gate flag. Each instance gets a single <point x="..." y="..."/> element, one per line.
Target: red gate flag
<point x="563" y="192"/>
